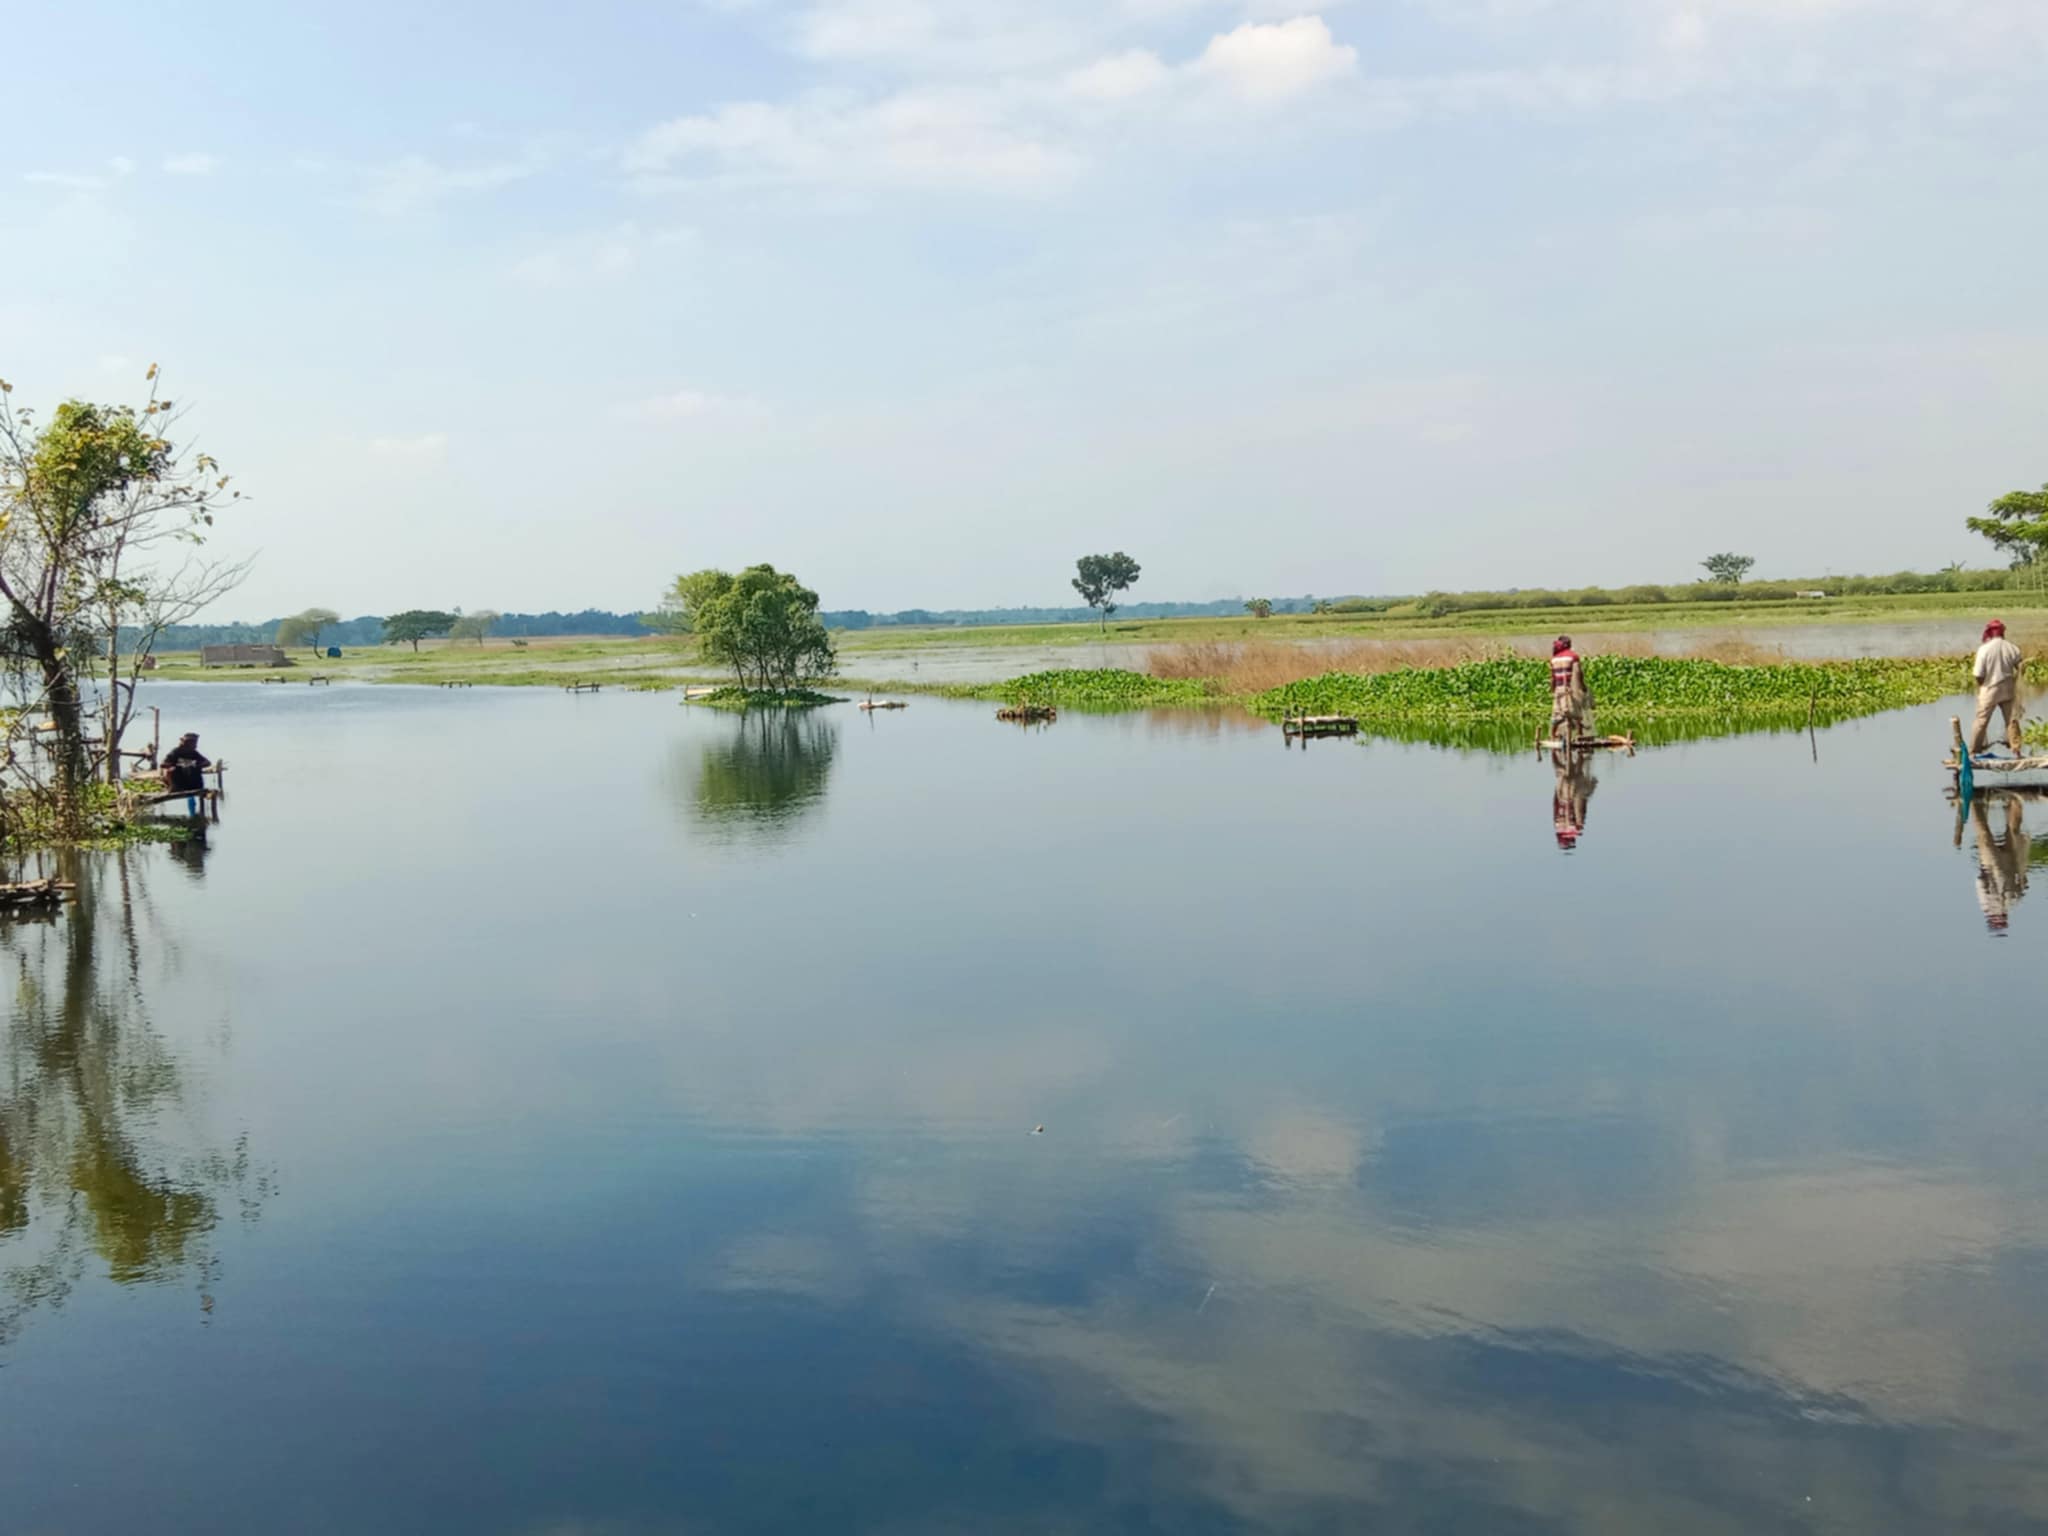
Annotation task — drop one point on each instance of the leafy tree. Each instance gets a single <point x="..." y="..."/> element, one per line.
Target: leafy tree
<point x="1259" y="607"/>
<point x="763" y="623"/>
<point x="100" y="512"/>
<point x="1728" y="568"/>
<point x="684" y="600"/>
<point x="473" y="626"/>
<point x="304" y="628"/>
<point x="1101" y="578"/>
<point x="417" y="624"/>
<point x="2017" y="525"/>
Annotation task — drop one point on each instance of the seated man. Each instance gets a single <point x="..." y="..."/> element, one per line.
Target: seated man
<point x="185" y="766"/>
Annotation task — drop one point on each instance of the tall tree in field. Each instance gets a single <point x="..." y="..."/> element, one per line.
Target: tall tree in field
<point x="1729" y="569"/>
<point x="1101" y="578"/>
<point x="417" y="624"/>
<point x="101" y="513"/>
<point x="474" y="625"/>
<point x="763" y="623"/>
<point x="1259" y="607"/>
<point x="304" y="628"/>
<point x="2018" y="524"/>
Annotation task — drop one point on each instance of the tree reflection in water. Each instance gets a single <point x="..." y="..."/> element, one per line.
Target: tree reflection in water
<point x="87" y="1086"/>
<point x="764" y="777"/>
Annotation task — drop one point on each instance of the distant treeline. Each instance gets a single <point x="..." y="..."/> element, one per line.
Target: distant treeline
<point x="1899" y="583"/>
<point x="369" y="629"/>
<point x="970" y="618"/>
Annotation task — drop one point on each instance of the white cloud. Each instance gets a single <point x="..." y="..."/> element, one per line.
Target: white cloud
<point x="1119" y="77"/>
<point x="1686" y="30"/>
<point x="598" y="257"/>
<point x="956" y="37"/>
<point x="193" y="164"/>
<point x="69" y="181"/>
<point x="686" y="405"/>
<point x="955" y="137"/>
<point x="419" y="449"/>
<point x="1275" y="60"/>
<point x="414" y="182"/>
<point x="121" y="165"/>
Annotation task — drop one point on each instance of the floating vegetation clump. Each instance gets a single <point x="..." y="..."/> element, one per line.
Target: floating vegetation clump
<point x="1103" y="688"/>
<point x="737" y="698"/>
<point x="1627" y="687"/>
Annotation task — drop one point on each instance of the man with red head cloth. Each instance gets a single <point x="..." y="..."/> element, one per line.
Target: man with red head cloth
<point x="1998" y="687"/>
<point x="1571" y="705"/>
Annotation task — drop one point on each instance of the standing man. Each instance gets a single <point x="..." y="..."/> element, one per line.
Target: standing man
<point x="1571" y="706"/>
<point x="1997" y="670"/>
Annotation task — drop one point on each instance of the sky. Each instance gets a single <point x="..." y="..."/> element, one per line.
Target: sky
<point x="529" y="306"/>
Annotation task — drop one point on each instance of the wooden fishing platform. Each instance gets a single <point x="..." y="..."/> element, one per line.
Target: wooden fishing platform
<point x="1588" y="744"/>
<point x="581" y="687"/>
<point x="451" y="683"/>
<point x="881" y="704"/>
<point x="2002" y="767"/>
<point x="1318" y="725"/>
<point x="1027" y="714"/>
<point x="30" y="895"/>
<point x="321" y="678"/>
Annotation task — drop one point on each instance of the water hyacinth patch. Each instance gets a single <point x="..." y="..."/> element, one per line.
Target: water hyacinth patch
<point x="1104" y="688"/>
<point x="1626" y="687"/>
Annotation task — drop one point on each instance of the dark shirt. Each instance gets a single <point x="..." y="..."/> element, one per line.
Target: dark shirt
<point x="188" y="767"/>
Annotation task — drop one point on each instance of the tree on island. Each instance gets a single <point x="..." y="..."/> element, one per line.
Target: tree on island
<point x="763" y="623"/>
<point x="1259" y="607"/>
<point x="100" y="512"/>
<point x="1729" y="569"/>
<point x="1101" y="578"/>
<point x="417" y="624"/>
<point x="304" y="628"/>
<point x="685" y="599"/>
<point x="475" y="625"/>
<point x="2018" y="525"/>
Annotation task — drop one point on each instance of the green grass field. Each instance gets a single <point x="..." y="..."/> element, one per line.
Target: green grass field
<point x="882" y="657"/>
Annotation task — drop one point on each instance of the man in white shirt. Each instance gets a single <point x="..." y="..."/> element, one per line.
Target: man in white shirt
<point x="1998" y="687"/>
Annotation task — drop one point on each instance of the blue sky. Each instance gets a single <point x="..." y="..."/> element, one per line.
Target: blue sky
<point x="529" y="306"/>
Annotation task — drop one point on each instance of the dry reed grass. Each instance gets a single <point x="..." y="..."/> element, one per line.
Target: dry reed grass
<point x="1253" y="666"/>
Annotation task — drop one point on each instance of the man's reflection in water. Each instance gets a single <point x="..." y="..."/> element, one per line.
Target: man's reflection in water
<point x="1574" y="793"/>
<point x="2001" y="859"/>
<point x="192" y="853"/>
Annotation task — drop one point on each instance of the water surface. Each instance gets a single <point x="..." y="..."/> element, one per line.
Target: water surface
<point x="535" y="1113"/>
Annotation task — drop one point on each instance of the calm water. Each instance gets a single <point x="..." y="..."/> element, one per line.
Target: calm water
<point x="539" y="1114"/>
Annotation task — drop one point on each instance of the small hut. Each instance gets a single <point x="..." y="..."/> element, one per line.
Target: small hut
<point x="242" y="656"/>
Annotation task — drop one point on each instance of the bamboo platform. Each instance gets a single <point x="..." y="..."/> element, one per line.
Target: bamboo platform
<point x="881" y="704"/>
<point x="1588" y="744"/>
<point x="455" y="684"/>
<point x="2002" y="766"/>
<point x="582" y="687"/>
<point x="319" y="677"/>
<point x="1318" y="725"/>
<point x="1026" y="714"/>
<point x="30" y="894"/>
<point x="164" y="796"/>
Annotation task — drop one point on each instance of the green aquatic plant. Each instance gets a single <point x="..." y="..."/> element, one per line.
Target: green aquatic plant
<point x="1627" y="688"/>
<point x="1103" y="688"/>
<point x="734" y="697"/>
